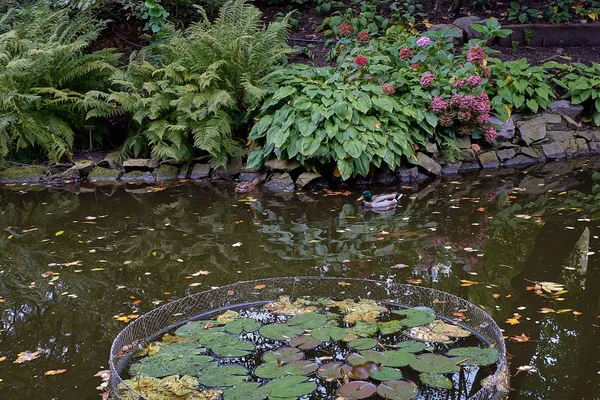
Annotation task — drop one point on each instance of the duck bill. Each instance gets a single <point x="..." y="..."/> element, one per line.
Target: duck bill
<point x="361" y="198"/>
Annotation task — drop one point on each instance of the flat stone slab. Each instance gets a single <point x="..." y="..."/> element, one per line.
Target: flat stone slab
<point x="532" y="130"/>
<point x="489" y="160"/>
<point x="139" y="164"/>
<point x="167" y="172"/>
<point x="280" y="181"/>
<point x="101" y="174"/>
<point x="306" y="178"/>
<point x="506" y="154"/>
<point x="520" y="160"/>
<point x="553" y="150"/>
<point x="560" y="136"/>
<point x="138" y="176"/>
<point x="24" y="174"/>
<point x="428" y="164"/>
<point x="565" y="107"/>
<point x="200" y="171"/>
<point x="230" y="171"/>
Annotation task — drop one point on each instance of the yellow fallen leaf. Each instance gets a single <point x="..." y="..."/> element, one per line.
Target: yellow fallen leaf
<point x="512" y="321"/>
<point x="54" y="372"/>
<point x="260" y="287"/>
<point x="520" y="338"/>
<point x="59" y="233"/>
<point x="3" y="358"/>
<point x="343" y="283"/>
<point x="546" y="310"/>
<point x="28" y="356"/>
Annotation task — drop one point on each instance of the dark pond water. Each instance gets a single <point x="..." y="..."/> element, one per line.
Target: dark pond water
<point x="73" y="260"/>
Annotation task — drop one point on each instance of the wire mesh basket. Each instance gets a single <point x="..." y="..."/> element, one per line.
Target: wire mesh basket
<point x="155" y="323"/>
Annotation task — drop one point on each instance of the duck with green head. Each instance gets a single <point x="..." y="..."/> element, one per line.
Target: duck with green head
<point x="382" y="201"/>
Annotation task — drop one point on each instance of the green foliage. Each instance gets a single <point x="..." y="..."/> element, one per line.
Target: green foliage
<point x="43" y="73"/>
<point x="490" y="30"/>
<point x="520" y="86"/>
<point x="156" y="15"/>
<point x="365" y="19"/>
<point x="197" y="90"/>
<point x="582" y="83"/>
<point x="559" y="11"/>
<point x="521" y="13"/>
<point x="320" y="116"/>
<point x="407" y="11"/>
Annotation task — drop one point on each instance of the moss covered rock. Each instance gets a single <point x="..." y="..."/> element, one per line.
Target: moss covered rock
<point x="100" y="174"/>
<point x="25" y="174"/>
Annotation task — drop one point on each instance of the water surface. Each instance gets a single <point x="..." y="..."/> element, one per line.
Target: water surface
<point x="74" y="260"/>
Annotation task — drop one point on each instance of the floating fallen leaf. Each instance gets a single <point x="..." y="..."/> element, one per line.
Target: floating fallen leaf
<point x="414" y="281"/>
<point x="54" y="372"/>
<point x="512" y="321"/>
<point x="238" y="244"/>
<point x="195" y="284"/>
<point x="59" y="233"/>
<point x="465" y="282"/>
<point x="343" y="283"/>
<point x="526" y="368"/>
<point x="260" y="287"/>
<point x="496" y="295"/>
<point x="522" y="338"/>
<point x="201" y="272"/>
<point x="28" y="356"/>
<point x="400" y="266"/>
<point x="546" y="310"/>
<point x="577" y="312"/>
<point x="3" y="358"/>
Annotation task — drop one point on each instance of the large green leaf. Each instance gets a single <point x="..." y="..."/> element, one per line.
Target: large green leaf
<point x="305" y="342"/>
<point x="290" y="387"/>
<point x="173" y="359"/>
<point x="415" y="316"/>
<point x="398" y="358"/>
<point x="334" y="370"/>
<point x="198" y="328"/>
<point x="368" y="355"/>
<point x="329" y="333"/>
<point x="242" y="325"/>
<point x="247" y="391"/>
<point x="390" y="327"/>
<point x="308" y="321"/>
<point x="363" y="344"/>
<point x="436" y="380"/>
<point x="386" y="374"/>
<point x="398" y="390"/>
<point x="410" y="346"/>
<point x="240" y="348"/>
<point x="283" y="355"/>
<point x="357" y="390"/>
<point x="435" y="364"/>
<point x="280" y="331"/>
<point x="475" y="355"/>
<point x="273" y="369"/>
<point x="222" y="376"/>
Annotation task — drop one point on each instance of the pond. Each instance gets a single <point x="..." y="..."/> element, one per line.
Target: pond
<point x="78" y="263"/>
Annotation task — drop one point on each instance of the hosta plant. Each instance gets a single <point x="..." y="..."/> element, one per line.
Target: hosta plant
<point x="321" y="116"/>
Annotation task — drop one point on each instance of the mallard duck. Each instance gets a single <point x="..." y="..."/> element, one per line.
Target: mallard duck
<point x="382" y="201"/>
<point x="246" y="187"/>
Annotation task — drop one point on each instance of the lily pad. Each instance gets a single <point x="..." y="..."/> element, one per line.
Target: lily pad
<point x="357" y="390"/>
<point x="386" y="374"/>
<point x="305" y="342"/>
<point x="390" y="327"/>
<point x="416" y="316"/>
<point x="362" y="372"/>
<point x="475" y="355"/>
<point x="228" y="316"/>
<point x="334" y="370"/>
<point x="280" y="331"/>
<point x="435" y="364"/>
<point x="410" y="346"/>
<point x="436" y="381"/>
<point x="247" y="391"/>
<point x="308" y="321"/>
<point x="425" y="334"/>
<point x="213" y="338"/>
<point x="290" y="387"/>
<point x="283" y="355"/>
<point x="173" y="359"/>
<point x="242" y="325"/>
<point x="273" y="369"/>
<point x="196" y="328"/>
<point x="398" y="358"/>
<point x="453" y="331"/>
<point x="223" y="376"/>
<point x="286" y="307"/>
<point x="240" y="348"/>
<point x="329" y="333"/>
<point x="363" y="344"/>
<point x="364" y="328"/>
<point x="368" y="355"/>
<point x="398" y="390"/>
<point x="365" y="310"/>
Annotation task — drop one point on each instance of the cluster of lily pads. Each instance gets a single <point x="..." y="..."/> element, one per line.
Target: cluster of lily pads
<point x="308" y="349"/>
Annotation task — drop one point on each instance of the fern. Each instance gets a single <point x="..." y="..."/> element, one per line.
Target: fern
<point x="43" y="75"/>
<point x="184" y="95"/>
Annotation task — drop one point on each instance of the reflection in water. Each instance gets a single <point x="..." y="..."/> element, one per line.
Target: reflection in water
<point x="73" y="260"/>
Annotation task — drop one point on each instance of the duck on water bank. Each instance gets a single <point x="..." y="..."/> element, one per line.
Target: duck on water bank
<point x="246" y="187"/>
<point x="379" y="202"/>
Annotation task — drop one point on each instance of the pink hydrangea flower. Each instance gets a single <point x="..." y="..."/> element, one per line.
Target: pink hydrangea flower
<point x="491" y="134"/>
<point x="406" y="53"/>
<point x="427" y="79"/>
<point x="438" y="104"/>
<point x="363" y="37"/>
<point x="458" y="84"/>
<point x="423" y="41"/>
<point x="474" y="80"/>
<point x="486" y="72"/>
<point x="361" y="61"/>
<point x="414" y="66"/>
<point x="476" y="55"/>
<point x="345" y="30"/>
<point x="388" y="89"/>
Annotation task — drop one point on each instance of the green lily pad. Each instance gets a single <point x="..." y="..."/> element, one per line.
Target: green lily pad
<point x="436" y="381"/>
<point x="390" y="327"/>
<point x="242" y="325"/>
<point x="398" y="358"/>
<point x="180" y="358"/>
<point x="334" y="370"/>
<point x="308" y="321"/>
<point x="273" y="369"/>
<point x="357" y="390"/>
<point x="240" y="348"/>
<point x="213" y="338"/>
<point x="417" y="316"/>
<point x="329" y="333"/>
<point x="367" y="355"/>
<point x="410" y="346"/>
<point x="289" y="387"/>
<point x="398" y="390"/>
<point x="283" y="355"/>
<point x="247" y="391"/>
<point x="196" y="328"/>
<point x="364" y="328"/>
<point x="386" y="374"/>
<point x="305" y="342"/>
<point x="280" y="331"/>
<point x="475" y="355"/>
<point x="363" y="344"/>
<point x="222" y="376"/>
<point x="435" y="364"/>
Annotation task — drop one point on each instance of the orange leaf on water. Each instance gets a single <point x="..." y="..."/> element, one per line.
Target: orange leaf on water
<point x="520" y="338"/>
<point x="54" y="372"/>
